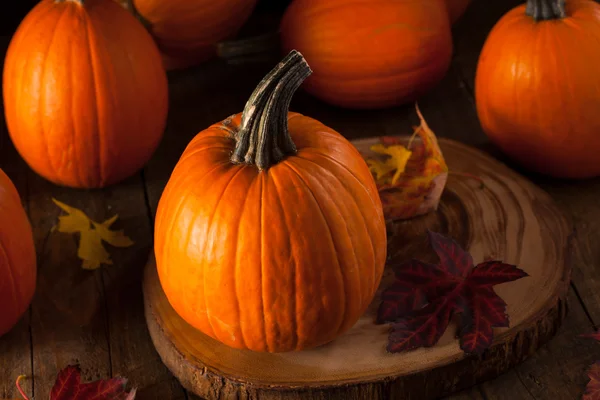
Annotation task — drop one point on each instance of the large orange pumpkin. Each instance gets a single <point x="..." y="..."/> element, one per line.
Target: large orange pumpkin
<point x="187" y="31"/>
<point x="368" y="54"/>
<point x="270" y="233"/>
<point x="537" y="87"/>
<point x="17" y="257"/>
<point x="85" y="92"/>
<point x="456" y="8"/>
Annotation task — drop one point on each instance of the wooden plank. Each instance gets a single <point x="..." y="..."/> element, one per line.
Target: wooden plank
<point x="558" y="370"/>
<point x="15" y="346"/>
<point x="470" y="394"/>
<point x="580" y="201"/>
<point x="93" y="318"/>
<point x="69" y="313"/>
<point x="132" y="354"/>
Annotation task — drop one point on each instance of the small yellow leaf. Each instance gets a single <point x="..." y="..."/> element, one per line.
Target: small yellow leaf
<point x="396" y="163"/>
<point x="91" y="235"/>
<point x="74" y="221"/>
<point x="412" y="179"/>
<point x="91" y="249"/>
<point x="115" y="238"/>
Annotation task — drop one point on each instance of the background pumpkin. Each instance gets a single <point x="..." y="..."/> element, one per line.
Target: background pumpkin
<point x="537" y="94"/>
<point x="187" y="31"/>
<point x="85" y="102"/>
<point x="368" y="54"/>
<point x="456" y="8"/>
<point x="17" y="256"/>
<point x="266" y="240"/>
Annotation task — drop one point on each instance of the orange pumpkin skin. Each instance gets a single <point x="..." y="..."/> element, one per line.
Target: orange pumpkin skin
<point x="537" y="90"/>
<point x="85" y="103"/>
<point x="280" y="260"/>
<point x="367" y="54"/>
<point x="187" y="31"/>
<point x="456" y="8"/>
<point x="17" y="257"/>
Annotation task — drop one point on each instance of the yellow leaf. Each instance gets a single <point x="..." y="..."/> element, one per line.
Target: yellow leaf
<point x="396" y="163"/>
<point x="115" y="238"/>
<point x="91" y="235"/>
<point x="412" y="179"/>
<point x="73" y="221"/>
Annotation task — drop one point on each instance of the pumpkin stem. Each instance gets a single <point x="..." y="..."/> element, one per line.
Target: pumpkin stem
<point x="254" y="49"/>
<point x="263" y="139"/>
<point x="542" y="10"/>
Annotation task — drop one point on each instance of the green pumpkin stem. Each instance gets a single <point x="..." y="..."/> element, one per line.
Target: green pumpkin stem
<point x="263" y="139"/>
<point x="543" y="10"/>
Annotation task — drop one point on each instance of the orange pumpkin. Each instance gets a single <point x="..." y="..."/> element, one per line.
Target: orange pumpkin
<point x="537" y="87"/>
<point x="270" y="233"/>
<point x="456" y="8"/>
<point x="85" y="102"/>
<point x="187" y="31"/>
<point x="17" y="257"/>
<point x="367" y="54"/>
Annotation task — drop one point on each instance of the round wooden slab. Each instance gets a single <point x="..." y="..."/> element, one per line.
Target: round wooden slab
<point x="509" y="219"/>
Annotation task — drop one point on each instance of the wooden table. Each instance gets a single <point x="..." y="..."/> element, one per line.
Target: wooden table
<point x="96" y="318"/>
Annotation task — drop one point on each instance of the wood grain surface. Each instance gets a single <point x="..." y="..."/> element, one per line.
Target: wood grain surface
<point x="509" y="219"/>
<point x="112" y="322"/>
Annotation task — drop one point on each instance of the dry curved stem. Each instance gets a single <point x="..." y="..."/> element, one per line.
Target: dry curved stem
<point x="259" y="47"/>
<point x="543" y="10"/>
<point x="263" y="138"/>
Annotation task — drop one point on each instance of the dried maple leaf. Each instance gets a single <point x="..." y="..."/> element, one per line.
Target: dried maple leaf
<point x="395" y="164"/>
<point x="592" y="390"/>
<point x="91" y="235"/>
<point x="68" y="386"/>
<point x="412" y="179"/>
<point x="423" y="299"/>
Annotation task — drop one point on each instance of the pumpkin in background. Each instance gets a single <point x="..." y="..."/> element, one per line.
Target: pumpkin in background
<point x="456" y="8"/>
<point x="187" y="31"/>
<point x="85" y="92"/>
<point x="17" y="257"/>
<point x="537" y="87"/>
<point x="367" y="54"/>
<point x="270" y="233"/>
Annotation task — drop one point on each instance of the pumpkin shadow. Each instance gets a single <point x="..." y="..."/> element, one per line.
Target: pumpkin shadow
<point x="407" y="239"/>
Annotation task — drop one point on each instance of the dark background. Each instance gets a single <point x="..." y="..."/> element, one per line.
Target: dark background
<point x="11" y="16"/>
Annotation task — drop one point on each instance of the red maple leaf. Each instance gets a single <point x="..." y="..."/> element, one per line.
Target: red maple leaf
<point x="425" y="297"/>
<point x="68" y="386"/>
<point x="592" y="390"/>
